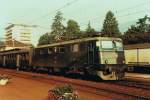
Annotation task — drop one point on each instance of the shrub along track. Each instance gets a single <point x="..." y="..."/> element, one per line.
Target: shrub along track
<point x="115" y="90"/>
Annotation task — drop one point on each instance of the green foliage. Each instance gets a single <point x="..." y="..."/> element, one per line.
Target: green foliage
<point x="46" y="39"/>
<point x="72" y="29"/>
<point x="57" y="31"/>
<point x="110" y="26"/>
<point x="89" y="31"/>
<point x="58" y="28"/>
<point x="89" y="28"/>
<point x="139" y="33"/>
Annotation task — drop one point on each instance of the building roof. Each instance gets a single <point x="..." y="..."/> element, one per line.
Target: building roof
<point x="137" y="46"/>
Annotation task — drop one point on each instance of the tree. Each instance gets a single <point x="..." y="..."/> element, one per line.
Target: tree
<point x="143" y="24"/>
<point x="139" y="33"/>
<point x="57" y="31"/>
<point x="89" y="30"/>
<point x="58" y="28"/>
<point x="72" y="29"/>
<point x="110" y="26"/>
<point x="44" y="39"/>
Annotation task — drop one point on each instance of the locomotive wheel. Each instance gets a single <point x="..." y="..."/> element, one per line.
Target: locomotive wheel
<point x="107" y="75"/>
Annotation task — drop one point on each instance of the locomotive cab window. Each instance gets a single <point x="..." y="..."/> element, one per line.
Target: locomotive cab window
<point x="107" y="44"/>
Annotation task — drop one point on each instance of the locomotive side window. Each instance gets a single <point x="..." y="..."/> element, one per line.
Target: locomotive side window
<point x="50" y="50"/>
<point x="55" y="49"/>
<point x="43" y="51"/>
<point x="75" y="48"/>
<point x="61" y="49"/>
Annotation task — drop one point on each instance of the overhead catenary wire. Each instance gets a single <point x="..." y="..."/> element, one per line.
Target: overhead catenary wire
<point x="133" y="7"/>
<point x="50" y="13"/>
<point x="121" y="11"/>
<point x="72" y="2"/>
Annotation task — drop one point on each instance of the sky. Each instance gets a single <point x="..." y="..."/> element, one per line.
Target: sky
<point x="42" y="12"/>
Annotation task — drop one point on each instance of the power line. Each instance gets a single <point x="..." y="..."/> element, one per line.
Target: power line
<point x="48" y="14"/>
<point x="133" y="13"/>
<point x="133" y="7"/>
<point x="124" y="10"/>
<point x="122" y="16"/>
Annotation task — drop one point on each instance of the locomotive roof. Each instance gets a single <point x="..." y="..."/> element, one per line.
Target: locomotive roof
<point x="137" y="46"/>
<point x="78" y="41"/>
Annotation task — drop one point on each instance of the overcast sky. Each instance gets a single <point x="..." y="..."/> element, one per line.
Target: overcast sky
<point x="41" y="12"/>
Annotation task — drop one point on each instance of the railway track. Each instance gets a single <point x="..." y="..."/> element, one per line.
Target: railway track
<point x="116" y="90"/>
<point x="128" y="83"/>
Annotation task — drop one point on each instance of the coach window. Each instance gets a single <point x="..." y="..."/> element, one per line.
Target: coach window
<point x="75" y="48"/>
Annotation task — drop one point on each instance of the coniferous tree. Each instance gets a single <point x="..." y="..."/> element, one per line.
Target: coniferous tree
<point x="110" y="26"/>
<point x="57" y="31"/>
<point x="58" y="28"/>
<point x="72" y="29"/>
<point x="138" y="33"/>
<point x="89" y="29"/>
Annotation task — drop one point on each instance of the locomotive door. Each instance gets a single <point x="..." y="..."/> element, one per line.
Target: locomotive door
<point x="91" y="53"/>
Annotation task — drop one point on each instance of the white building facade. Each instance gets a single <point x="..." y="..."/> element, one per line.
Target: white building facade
<point x="19" y="32"/>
